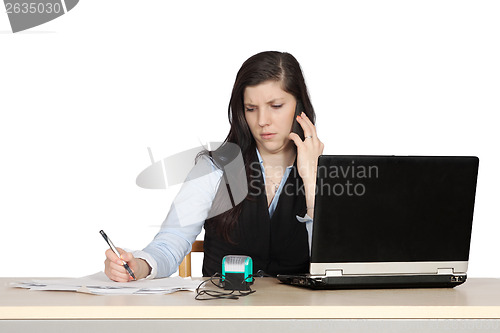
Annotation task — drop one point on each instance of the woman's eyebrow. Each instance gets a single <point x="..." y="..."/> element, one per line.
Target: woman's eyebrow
<point x="279" y="99"/>
<point x="274" y="100"/>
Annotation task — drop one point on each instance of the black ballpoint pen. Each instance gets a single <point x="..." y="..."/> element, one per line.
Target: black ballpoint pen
<point x="113" y="248"/>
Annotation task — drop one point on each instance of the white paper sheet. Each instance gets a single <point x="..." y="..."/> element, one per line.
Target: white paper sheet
<point x="100" y="284"/>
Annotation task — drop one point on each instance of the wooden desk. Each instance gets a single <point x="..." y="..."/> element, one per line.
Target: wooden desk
<point x="474" y="305"/>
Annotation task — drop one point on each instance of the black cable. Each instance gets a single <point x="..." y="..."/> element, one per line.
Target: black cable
<point x="261" y="273"/>
<point x="216" y="280"/>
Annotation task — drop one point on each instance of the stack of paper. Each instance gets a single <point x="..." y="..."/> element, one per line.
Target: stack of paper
<point x="100" y="284"/>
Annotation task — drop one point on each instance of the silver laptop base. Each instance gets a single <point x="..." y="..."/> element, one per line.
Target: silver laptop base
<point x="374" y="282"/>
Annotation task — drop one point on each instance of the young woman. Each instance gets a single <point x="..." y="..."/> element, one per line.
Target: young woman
<point x="273" y="224"/>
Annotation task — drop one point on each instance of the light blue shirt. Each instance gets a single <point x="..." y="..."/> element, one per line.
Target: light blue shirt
<point x="187" y="215"/>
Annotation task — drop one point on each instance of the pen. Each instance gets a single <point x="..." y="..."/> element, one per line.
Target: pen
<point x="113" y="248"/>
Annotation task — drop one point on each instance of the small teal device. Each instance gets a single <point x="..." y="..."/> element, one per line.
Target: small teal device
<point x="237" y="272"/>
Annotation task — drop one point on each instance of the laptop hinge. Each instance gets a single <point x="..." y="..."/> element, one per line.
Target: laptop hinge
<point x="445" y="271"/>
<point x="334" y="272"/>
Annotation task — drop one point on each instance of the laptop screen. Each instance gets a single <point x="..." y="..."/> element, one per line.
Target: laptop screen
<point x="393" y="209"/>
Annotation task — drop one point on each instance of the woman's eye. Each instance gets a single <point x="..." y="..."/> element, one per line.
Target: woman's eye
<point x="249" y="109"/>
<point x="276" y="106"/>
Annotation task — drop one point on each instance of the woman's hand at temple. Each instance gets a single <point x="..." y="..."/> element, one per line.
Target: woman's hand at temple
<point x="113" y="266"/>
<point x="308" y="152"/>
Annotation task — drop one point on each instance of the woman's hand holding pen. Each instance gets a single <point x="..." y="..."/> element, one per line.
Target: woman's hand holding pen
<point x="113" y="266"/>
<point x="308" y="152"/>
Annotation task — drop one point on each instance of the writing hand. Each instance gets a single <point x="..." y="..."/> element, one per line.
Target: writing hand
<point x="113" y="266"/>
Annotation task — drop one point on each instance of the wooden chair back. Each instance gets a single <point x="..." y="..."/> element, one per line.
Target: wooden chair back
<point x="185" y="266"/>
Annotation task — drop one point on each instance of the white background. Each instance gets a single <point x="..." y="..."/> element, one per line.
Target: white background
<point x="83" y="96"/>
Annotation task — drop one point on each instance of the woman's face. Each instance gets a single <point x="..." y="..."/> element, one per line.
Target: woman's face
<point x="269" y="112"/>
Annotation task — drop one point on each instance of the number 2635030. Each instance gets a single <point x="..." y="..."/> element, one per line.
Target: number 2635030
<point x="33" y="8"/>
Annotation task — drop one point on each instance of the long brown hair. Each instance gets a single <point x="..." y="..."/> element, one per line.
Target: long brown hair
<point x="264" y="66"/>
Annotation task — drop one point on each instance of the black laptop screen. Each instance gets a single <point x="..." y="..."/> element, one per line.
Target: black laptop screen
<point x="392" y="209"/>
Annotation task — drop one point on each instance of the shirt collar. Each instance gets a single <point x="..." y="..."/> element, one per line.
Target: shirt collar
<point x="261" y="161"/>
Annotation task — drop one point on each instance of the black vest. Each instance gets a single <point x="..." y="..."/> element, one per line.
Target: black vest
<point x="277" y="245"/>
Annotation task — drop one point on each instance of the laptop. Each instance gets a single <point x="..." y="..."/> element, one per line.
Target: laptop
<point x="391" y="222"/>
